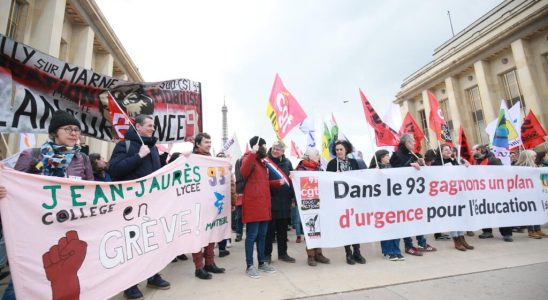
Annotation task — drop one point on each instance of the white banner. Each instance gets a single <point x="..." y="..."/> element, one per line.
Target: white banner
<point x="372" y="205"/>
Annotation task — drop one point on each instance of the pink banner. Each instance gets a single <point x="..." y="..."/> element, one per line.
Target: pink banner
<point x="73" y="239"/>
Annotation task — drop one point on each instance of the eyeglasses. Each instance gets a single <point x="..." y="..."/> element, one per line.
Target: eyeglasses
<point x="70" y="130"/>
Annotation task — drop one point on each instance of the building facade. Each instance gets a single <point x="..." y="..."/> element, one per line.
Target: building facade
<point x="74" y="31"/>
<point x="502" y="55"/>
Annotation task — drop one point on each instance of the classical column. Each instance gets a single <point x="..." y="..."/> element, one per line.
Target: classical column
<point x="47" y="25"/>
<point x="527" y="82"/>
<point x="5" y="6"/>
<point x="455" y="102"/>
<point x="487" y="88"/>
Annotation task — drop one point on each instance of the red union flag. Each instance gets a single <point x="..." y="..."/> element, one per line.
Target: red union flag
<point x="437" y="123"/>
<point x="384" y="135"/>
<point x="464" y="148"/>
<point x="532" y="133"/>
<point x="410" y="126"/>
<point x="120" y="120"/>
<point x="283" y="110"/>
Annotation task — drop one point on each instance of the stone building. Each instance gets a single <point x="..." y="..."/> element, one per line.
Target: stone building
<point x="74" y="31"/>
<point x="502" y="55"/>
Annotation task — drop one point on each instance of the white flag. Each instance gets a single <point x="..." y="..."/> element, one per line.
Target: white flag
<point x="513" y="123"/>
<point x="307" y="127"/>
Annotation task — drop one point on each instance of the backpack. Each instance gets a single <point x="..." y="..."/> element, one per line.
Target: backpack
<point x="240" y="180"/>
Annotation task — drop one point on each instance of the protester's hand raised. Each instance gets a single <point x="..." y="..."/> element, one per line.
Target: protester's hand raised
<point x="144" y="151"/>
<point x="254" y="149"/>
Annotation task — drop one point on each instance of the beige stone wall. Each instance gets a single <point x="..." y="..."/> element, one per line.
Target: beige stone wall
<point x="496" y="43"/>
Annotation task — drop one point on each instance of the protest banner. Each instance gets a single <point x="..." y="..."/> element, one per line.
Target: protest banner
<point x="42" y="84"/>
<point x="361" y="206"/>
<point x="74" y="239"/>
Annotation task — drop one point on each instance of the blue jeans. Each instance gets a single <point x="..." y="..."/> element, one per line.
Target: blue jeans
<point x="9" y="293"/>
<point x="255" y="231"/>
<point x="238" y="220"/>
<point x="454" y="234"/>
<point x="296" y="221"/>
<point x="391" y="247"/>
<point x="408" y="242"/>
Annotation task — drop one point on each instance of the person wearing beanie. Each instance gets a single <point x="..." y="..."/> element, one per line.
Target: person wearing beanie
<point x="256" y="205"/>
<point x="59" y="156"/>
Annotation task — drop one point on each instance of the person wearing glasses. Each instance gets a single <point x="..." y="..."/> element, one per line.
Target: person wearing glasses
<point x="59" y="156"/>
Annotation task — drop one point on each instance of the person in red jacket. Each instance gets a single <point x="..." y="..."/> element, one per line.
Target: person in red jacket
<point x="256" y="205"/>
<point x="202" y="146"/>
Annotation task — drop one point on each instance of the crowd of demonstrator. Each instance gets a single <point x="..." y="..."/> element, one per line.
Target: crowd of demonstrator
<point x="261" y="202"/>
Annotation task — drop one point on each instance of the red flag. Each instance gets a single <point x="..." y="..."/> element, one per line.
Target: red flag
<point x="464" y="147"/>
<point x="437" y="123"/>
<point x="532" y="133"/>
<point x="410" y="126"/>
<point x="295" y="151"/>
<point x="384" y="135"/>
<point x="120" y="120"/>
<point x="283" y="110"/>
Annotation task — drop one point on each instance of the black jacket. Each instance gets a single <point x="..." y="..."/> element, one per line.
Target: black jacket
<point x="127" y="165"/>
<point x="438" y="162"/>
<point x="332" y="165"/>
<point x="402" y="158"/>
<point x="281" y="198"/>
<point x="489" y="160"/>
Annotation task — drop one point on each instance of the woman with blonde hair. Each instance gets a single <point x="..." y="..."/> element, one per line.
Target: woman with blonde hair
<point x="527" y="158"/>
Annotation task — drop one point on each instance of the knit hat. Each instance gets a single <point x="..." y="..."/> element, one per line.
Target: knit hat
<point x="62" y="118"/>
<point x="253" y="141"/>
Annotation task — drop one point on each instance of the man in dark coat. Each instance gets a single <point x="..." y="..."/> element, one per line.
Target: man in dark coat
<point x="132" y="159"/>
<point x="405" y="157"/>
<point x="484" y="157"/>
<point x="281" y="199"/>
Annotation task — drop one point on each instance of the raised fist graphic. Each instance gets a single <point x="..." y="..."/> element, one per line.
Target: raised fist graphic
<point x="62" y="263"/>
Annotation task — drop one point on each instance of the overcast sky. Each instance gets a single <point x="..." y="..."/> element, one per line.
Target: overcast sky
<point x="323" y="50"/>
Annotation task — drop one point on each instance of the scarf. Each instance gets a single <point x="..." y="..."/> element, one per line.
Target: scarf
<point x="56" y="159"/>
<point x="343" y="165"/>
<point x="310" y="165"/>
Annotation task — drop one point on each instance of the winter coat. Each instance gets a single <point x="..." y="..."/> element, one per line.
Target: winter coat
<point x="438" y="162"/>
<point x="256" y="204"/>
<point x="402" y="158"/>
<point x="332" y="165"/>
<point x="128" y="165"/>
<point x="282" y="197"/>
<point x="80" y="166"/>
<point x="489" y="160"/>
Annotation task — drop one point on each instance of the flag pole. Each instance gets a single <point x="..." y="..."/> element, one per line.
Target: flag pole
<point x="374" y="152"/>
<point x="441" y="156"/>
<point x="6" y="144"/>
